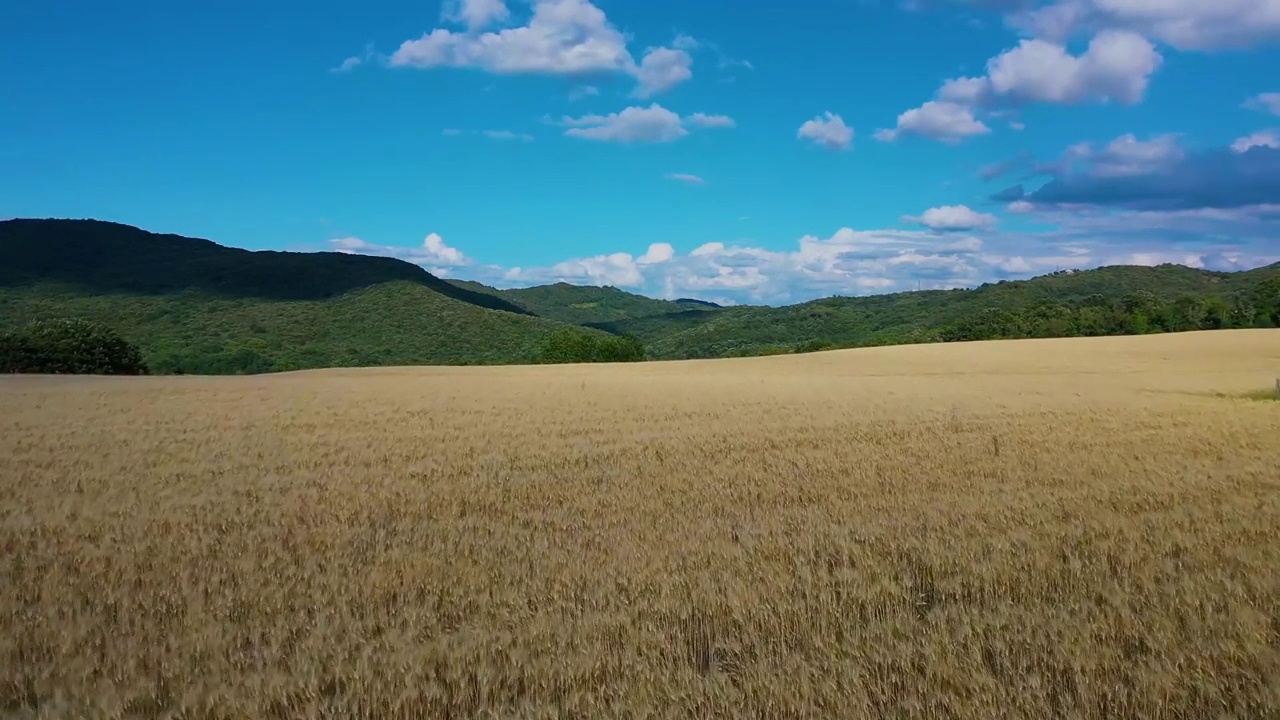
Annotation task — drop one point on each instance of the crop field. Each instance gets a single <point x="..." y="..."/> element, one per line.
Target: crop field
<point x="1082" y="528"/>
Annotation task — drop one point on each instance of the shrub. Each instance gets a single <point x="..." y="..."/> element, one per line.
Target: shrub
<point x="69" y="347"/>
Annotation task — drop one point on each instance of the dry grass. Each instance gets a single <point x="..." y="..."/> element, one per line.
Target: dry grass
<point x="1035" y="529"/>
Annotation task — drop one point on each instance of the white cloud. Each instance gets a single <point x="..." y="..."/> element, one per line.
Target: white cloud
<point x="964" y="91"/>
<point x="827" y="130"/>
<point x="662" y="69"/>
<point x="617" y="269"/>
<point x="356" y="61"/>
<point x="710" y="121"/>
<point x="1126" y="156"/>
<point x="491" y="134"/>
<point x="952" y="217"/>
<point x="686" y="43"/>
<point x="656" y="254"/>
<point x="634" y="124"/>
<point x="1021" y="207"/>
<point x="433" y="251"/>
<point x="686" y="178"/>
<point x="1116" y="66"/>
<point x="434" y="247"/>
<point x="348" y="65"/>
<point x="1262" y="138"/>
<point x="475" y="14"/>
<point x="1267" y="102"/>
<point x="654" y="124"/>
<point x="940" y="120"/>
<point x="859" y="262"/>
<point x="582" y="91"/>
<point x="563" y="37"/>
<point x="1183" y="24"/>
<point x="507" y="135"/>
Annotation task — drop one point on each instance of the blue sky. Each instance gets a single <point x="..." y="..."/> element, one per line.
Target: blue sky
<point x="740" y="152"/>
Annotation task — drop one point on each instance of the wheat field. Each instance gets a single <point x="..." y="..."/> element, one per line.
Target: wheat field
<point x="1084" y="528"/>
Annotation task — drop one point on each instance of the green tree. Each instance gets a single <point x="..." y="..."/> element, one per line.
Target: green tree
<point x="72" y="346"/>
<point x="1268" y="299"/>
<point x="574" y="346"/>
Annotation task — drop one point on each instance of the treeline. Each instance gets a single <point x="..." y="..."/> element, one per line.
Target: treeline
<point x="1135" y="314"/>
<point x="81" y="347"/>
<point x="69" y="347"/>
<point x="572" y="346"/>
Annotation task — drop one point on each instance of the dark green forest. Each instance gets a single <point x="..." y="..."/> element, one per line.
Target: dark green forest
<point x="192" y="306"/>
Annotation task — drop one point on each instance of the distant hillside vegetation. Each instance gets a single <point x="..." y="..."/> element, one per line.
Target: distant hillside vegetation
<point x="582" y="304"/>
<point x="1105" y="301"/>
<point x="194" y="306"/>
<point x="104" y="257"/>
<point x="197" y="307"/>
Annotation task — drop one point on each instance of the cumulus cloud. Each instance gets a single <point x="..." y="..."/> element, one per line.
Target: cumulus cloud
<point x="946" y="121"/>
<point x="686" y="178"/>
<point x="657" y="253"/>
<point x="827" y="130"/>
<point x="475" y="14"/>
<point x="1267" y="102"/>
<point x="433" y="251"/>
<point x="952" y="217"/>
<point x="562" y="37"/>
<point x="1183" y="24"/>
<point x="653" y="124"/>
<point x="1116" y="66"/>
<point x="1262" y="138"/>
<point x="662" y="69"/>
<point x="859" y="262"/>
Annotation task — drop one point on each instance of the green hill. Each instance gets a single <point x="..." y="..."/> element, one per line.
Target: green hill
<point x="197" y="307"/>
<point x="1101" y="301"/>
<point x="584" y="304"/>
<point x="104" y="257"/>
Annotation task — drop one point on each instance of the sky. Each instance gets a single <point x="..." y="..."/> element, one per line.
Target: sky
<point x="725" y="150"/>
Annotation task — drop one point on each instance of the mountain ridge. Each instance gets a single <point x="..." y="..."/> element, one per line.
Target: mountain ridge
<point x="196" y="306"/>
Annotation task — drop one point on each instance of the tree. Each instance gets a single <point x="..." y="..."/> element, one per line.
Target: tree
<point x="69" y="347"/>
<point x="574" y="346"/>
<point x="1268" y="299"/>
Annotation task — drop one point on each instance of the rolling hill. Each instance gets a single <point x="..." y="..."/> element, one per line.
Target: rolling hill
<point x="929" y="315"/>
<point x="585" y="304"/>
<point x="197" y="307"/>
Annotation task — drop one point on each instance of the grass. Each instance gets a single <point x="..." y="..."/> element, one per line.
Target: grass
<point x="1029" y="529"/>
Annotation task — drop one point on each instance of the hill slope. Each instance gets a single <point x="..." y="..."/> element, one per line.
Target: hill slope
<point x="103" y="257"/>
<point x="198" y="307"/>
<point x="585" y="304"/>
<point x="927" y="316"/>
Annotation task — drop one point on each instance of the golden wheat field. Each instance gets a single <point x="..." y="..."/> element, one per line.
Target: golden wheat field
<point x="1085" y="528"/>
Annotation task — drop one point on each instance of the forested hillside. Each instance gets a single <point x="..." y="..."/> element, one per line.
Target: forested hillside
<point x="194" y="306"/>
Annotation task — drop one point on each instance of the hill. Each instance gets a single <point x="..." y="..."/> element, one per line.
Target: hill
<point x="1103" y="301"/>
<point x="103" y="257"/>
<point x="197" y="307"/>
<point x="585" y="304"/>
